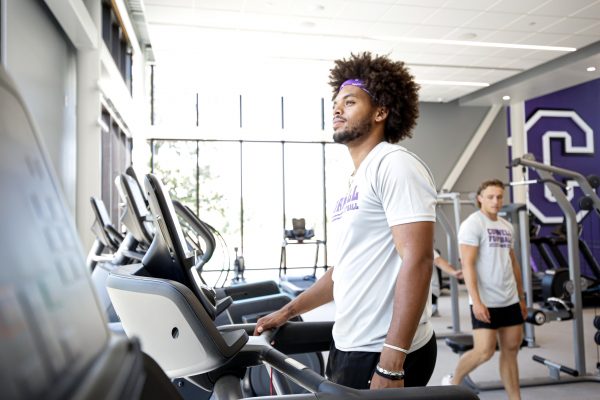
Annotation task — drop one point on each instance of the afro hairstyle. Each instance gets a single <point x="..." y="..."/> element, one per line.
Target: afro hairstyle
<point x="391" y="86"/>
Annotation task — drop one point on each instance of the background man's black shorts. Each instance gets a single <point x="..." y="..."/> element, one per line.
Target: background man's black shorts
<point x="500" y="317"/>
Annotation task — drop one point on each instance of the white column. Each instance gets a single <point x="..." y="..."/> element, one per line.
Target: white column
<point x="89" y="144"/>
<point x="518" y="145"/>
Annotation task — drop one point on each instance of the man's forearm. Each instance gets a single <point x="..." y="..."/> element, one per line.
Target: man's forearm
<point x="470" y="278"/>
<point x="321" y="292"/>
<point x="412" y="290"/>
<point x="444" y="265"/>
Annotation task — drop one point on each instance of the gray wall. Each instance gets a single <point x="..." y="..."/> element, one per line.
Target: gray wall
<point x="442" y="133"/>
<point x="42" y="62"/>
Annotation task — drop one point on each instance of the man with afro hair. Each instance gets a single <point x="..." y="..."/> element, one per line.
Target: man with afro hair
<point x="382" y="235"/>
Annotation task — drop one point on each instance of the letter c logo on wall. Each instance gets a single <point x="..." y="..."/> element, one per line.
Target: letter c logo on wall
<point x="561" y="138"/>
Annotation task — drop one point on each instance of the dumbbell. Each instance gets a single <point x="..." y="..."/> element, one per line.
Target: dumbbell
<point x="536" y="317"/>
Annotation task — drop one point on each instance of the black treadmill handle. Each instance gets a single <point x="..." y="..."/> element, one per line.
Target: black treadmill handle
<point x="411" y="393"/>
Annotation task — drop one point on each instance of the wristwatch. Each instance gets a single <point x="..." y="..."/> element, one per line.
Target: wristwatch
<point x="391" y="375"/>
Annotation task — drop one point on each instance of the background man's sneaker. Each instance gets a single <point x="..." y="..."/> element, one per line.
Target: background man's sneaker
<point x="447" y="380"/>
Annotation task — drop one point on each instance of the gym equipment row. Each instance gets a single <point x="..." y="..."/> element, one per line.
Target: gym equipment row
<point x="55" y="341"/>
<point x="240" y="303"/>
<point x="556" y="308"/>
<point x="213" y="357"/>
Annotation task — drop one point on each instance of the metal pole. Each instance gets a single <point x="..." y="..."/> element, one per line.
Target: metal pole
<point x="524" y="251"/>
<point x="453" y="257"/>
<point x="545" y="172"/>
<point x="325" y="265"/>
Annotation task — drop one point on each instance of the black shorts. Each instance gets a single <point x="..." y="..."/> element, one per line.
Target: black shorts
<point x="500" y="317"/>
<point x="356" y="368"/>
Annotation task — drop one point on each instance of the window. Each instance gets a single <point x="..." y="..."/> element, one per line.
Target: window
<point x="262" y="196"/>
<point x="304" y="198"/>
<point x="175" y="164"/>
<point x="117" y="42"/>
<point x="116" y="157"/>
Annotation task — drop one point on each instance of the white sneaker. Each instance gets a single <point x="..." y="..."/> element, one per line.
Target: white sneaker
<point x="447" y="380"/>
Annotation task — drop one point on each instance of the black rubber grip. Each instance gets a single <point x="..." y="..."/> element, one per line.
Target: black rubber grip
<point x="549" y="363"/>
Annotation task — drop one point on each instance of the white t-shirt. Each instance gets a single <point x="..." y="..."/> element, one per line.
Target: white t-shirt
<point x="391" y="187"/>
<point x="494" y="239"/>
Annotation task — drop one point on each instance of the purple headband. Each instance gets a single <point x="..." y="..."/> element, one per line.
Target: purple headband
<point x="359" y="84"/>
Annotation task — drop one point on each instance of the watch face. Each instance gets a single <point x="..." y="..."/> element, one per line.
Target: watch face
<point x="391" y="375"/>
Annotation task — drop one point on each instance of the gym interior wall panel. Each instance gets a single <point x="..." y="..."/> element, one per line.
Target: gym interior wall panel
<point x="562" y="129"/>
<point x="489" y="161"/>
<point x="42" y="61"/>
<point x="441" y="135"/>
<point x="443" y="131"/>
<point x="2" y="31"/>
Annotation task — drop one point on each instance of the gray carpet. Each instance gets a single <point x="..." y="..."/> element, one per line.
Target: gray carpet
<point x="553" y="340"/>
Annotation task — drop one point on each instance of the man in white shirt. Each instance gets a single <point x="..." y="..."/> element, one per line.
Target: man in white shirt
<point x="493" y="279"/>
<point x="384" y="223"/>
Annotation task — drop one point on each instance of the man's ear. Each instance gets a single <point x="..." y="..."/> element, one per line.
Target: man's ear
<point x="381" y="114"/>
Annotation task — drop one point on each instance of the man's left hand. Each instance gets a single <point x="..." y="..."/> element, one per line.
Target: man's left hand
<point x="379" y="382"/>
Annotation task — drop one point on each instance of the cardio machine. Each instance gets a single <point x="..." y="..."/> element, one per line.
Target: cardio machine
<point x="164" y="302"/>
<point x="170" y="256"/>
<point x="299" y="235"/>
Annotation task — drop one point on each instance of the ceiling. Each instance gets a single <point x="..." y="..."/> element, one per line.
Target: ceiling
<point x="473" y="51"/>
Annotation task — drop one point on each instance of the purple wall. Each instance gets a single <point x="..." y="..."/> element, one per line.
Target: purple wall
<point x="568" y="122"/>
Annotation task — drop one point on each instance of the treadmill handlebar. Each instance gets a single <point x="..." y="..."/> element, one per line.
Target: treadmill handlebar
<point x="528" y="160"/>
<point x="322" y="388"/>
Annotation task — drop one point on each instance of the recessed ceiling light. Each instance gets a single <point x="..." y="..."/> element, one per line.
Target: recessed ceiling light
<point x="590" y="69"/>
<point x="440" y="99"/>
<point x="468" y="36"/>
<point x="505" y="97"/>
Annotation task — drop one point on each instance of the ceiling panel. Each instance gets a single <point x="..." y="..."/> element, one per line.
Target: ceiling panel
<point x="563" y="8"/>
<point x="267" y="40"/>
<point x="593" y="30"/>
<point x="517" y="6"/>
<point x="361" y="11"/>
<point x="531" y="23"/>
<point x="409" y="14"/>
<point x="592" y="11"/>
<point x="470" y="4"/>
<point x="491" y="20"/>
<point x="568" y="26"/>
<point x="450" y="17"/>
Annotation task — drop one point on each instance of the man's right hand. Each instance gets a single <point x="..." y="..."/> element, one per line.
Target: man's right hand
<point x="271" y="321"/>
<point x="481" y="312"/>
